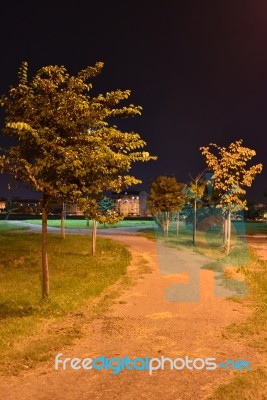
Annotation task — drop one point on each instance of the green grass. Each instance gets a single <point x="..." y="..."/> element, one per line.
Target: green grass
<point x="82" y="224"/>
<point x="253" y="384"/>
<point x="6" y="227"/>
<point x="32" y="329"/>
<point x="208" y="243"/>
<point x="254" y="328"/>
<point x="254" y="228"/>
<point x="248" y="386"/>
<point x="249" y="228"/>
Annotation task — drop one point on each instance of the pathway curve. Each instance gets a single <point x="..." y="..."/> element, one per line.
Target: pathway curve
<point x="143" y="323"/>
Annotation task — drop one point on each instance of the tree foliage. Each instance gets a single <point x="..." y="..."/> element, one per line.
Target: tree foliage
<point x="166" y="198"/>
<point x="63" y="142"/>
<point x="195" y="191"/>
<point x="231" y="174"/>
<point x="65" y="145"/>
<point x="230" y="171"/>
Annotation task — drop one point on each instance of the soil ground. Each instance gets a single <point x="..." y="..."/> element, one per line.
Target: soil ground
<point x="260" y="244"/>
<point x="143" y="323"/>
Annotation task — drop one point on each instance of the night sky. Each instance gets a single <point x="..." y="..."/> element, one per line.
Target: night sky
<point x="198" y="68"/>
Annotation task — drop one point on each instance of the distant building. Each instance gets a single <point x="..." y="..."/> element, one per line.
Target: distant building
<point x="72" y="209"/>
<point x="131" y="203"/>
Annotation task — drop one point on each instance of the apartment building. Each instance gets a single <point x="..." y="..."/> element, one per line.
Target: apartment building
<point x="131" y="203"/>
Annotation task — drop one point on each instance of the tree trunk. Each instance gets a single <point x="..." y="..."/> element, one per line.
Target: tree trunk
<point x="167" y="227"/>
<point x="226" y="230"/>
<point x="45" y="287"/>
<point x="164" y="227"/>
<point x="195" y="222"/>
<point x="228" y="233"/>
<point x="94" y="236"/>
<point x="167" y="223"/>
<point x="177" y="223"/>
<point x="223" y="230"/>
<point x="164" y="223"/>
<point x="63" y="222"/>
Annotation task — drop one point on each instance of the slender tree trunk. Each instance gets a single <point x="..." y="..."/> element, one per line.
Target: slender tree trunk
<point x="45" y="270"/>
<point x="177" y="223"/>
<point x="164" y="223"/>
<point x="94" y="236"/>
<point x="228" y="232"/>
<point x="167" y="223"/>
<point x="88" y="223"/>
<point x="63" y="222"/>
<point x="195" y="222"/>
<point x="223" y="231"/>
<point x="164" y="227"/>
<point x="167" y="227"/>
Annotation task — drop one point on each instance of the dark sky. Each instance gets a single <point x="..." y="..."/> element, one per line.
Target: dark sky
<point x="198" y="68"/>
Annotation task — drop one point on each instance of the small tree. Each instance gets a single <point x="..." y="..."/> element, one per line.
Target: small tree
<point x="195" y="191"/>
<point x="101" y="211"/>
<point x="165" y="199"/>
<point x="64" y="145"/>
<point x="230" y="177"/>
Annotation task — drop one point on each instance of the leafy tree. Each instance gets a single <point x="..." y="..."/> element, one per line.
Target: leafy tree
<point x="101" y="211"/>
<point x="166" y="198"/>
<point x="195" y="191"/>
<point x="64" y="145"/>
<point x="231" y="176"/>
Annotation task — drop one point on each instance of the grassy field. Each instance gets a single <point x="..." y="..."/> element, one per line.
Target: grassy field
<point x="32" y="329"/>
<point x="209" y="240"/>
<point x="251" y="385"/>
<point x="255" y="228"/>
<point x="82" y="224"/>
<point x="6" y="227"/>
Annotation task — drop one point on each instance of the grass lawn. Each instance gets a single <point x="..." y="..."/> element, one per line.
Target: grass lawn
<point x="6" y="227"/>
<point x="255" y="228"/>
<point x="32" y="329"/>
<point x="251" y="385"/>
<point x="82" y="224"/>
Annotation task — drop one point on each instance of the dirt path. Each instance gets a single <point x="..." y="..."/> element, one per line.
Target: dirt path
<point x="260" y="244"/>
<point x="143" y="323"/>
